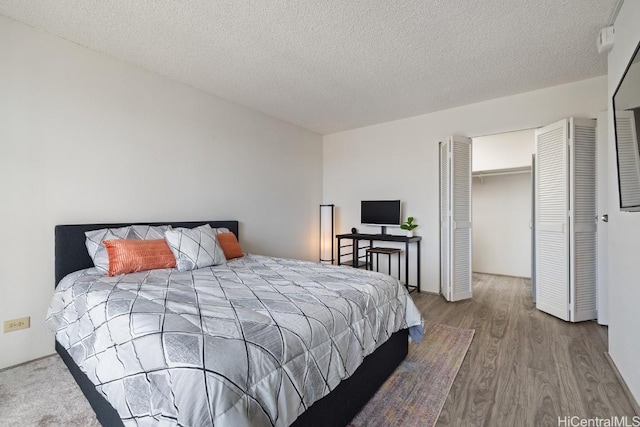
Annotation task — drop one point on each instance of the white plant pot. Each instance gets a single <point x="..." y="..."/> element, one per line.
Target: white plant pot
<point x="409" y="233"/>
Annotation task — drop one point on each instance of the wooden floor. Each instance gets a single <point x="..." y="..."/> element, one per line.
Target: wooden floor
<point x="524" y="367"/>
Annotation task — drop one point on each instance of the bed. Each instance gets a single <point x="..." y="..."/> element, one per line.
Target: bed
<point x="336" y="408"/>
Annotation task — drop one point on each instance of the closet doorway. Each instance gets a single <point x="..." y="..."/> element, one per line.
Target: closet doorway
<point x="502" y="203"/>
<point x="565" y="230"/>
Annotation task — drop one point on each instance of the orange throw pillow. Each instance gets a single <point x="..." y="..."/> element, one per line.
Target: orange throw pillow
<point x="131" y="255"/>
<point x="230" y="245"/>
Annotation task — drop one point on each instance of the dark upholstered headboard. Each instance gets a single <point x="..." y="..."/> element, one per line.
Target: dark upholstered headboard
<point x="71" y="253"/>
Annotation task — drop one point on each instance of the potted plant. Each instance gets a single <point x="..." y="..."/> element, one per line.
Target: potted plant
<point x="409" y="225"/>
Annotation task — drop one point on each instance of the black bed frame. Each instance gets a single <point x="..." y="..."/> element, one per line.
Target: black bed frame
<point x="335" y="409"/>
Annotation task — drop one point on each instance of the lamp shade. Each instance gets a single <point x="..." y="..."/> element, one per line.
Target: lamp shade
<point x="326" y="234"/>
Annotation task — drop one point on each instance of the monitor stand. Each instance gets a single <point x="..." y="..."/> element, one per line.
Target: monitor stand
<point x="383" y="230"/>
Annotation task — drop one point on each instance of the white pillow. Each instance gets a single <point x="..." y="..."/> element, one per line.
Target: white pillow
<point x="195" y="247"/>
<point x="98" y="252"/>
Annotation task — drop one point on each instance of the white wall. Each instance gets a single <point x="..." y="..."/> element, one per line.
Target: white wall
<point x="602" y="140"/>
<point x="399" y="159"/>
<point x="624" y="227"/>
<point x="86" y="138"/>
<point x="504" y="150"/>
<point x="501" y="233"/>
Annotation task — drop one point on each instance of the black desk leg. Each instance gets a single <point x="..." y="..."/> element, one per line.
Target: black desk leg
<point x="418" y="278"/>
<point x="406" y="267"/>
<point x="356" y="251"/>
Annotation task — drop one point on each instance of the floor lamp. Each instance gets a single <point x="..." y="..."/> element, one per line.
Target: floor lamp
<point x="326" y="234"/>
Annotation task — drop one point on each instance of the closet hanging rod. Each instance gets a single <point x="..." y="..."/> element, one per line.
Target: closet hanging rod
<point x="498" y="172"/>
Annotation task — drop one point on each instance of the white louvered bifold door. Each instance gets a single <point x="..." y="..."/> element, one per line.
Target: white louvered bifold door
<point x="583" y="214"/>
<point x="445" y="220"/>
<point x="552" y="225"/>
<point x="628" y="161"/>
<point x="461" y="245"/>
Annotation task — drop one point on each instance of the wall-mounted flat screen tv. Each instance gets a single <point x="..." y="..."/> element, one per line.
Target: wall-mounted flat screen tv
<point x="380" y="212"/>
<point x="626" y="103"/>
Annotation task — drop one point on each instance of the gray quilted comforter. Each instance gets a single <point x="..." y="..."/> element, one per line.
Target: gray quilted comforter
<point x="253" y="342"/>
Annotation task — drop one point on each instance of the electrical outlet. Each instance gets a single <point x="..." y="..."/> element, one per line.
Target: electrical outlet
<point x="16" y="324"/>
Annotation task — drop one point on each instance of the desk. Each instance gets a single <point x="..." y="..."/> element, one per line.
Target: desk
<point x="357" y="237"/>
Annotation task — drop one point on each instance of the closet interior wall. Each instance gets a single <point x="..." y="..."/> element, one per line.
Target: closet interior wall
<point x="501" y="192"/>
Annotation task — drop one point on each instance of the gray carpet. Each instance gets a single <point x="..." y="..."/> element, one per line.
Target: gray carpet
<point x="43" y="393"/>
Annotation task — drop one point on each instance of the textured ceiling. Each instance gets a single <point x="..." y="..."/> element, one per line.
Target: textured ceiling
<point x="331" y="65"/>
